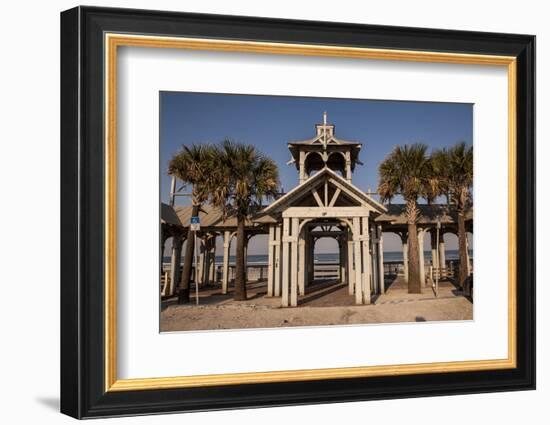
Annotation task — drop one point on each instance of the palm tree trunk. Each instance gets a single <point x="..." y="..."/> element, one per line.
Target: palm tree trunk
<point x="240" y="284"/>
<point x="414" y="251"/>
<point x="462" y="250"/>
<point x="183" y="295"/>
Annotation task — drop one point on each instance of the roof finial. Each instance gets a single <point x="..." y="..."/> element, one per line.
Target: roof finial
<point x="325" y="118"/>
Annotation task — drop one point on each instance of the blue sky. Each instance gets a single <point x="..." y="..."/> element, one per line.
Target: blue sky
<point x="270" y="122"/>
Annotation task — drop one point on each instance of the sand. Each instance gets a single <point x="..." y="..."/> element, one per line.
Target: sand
<point x="324" y="304"/>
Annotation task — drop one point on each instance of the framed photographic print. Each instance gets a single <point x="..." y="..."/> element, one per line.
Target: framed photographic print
<point x="261" y="212"/>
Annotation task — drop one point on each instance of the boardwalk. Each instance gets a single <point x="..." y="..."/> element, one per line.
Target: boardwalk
<point x="324" y="303"/>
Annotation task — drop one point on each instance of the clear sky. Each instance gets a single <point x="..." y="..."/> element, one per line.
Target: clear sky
<point x="270" y="122"/>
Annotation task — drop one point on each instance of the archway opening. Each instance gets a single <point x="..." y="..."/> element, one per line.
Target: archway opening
<point x="326" y="259"/>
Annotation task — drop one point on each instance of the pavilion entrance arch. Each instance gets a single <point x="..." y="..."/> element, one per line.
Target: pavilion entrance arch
<point x="323" y="205"/>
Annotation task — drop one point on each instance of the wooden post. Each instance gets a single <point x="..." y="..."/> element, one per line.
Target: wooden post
<point x="277" y="276"/>
<point x="225" y="270"/>
<point x="365" y="282"/>
<point x="357" y="259"/>
<point x="301" y="264"/>
<point x="311" y="260"/>
<point x="375" y="263"/>
<point x="213" y="260"/>
<point x="421" y="257"/>
<point x="175" y="265"/>
<point x="351" y="275"/>
<point x="285" y="266"/>
<point x="381" y="260"/>
<point x="442" y="251"/>
<point x="307" y="257"/>
<point x="344" y="259"/>
<point x="302" y="170"/>
<point x="433" y="246"/>
<point x="294" y="263"/>
<point x="270" y="268"/>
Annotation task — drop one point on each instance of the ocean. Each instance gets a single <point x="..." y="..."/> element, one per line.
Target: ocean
<point x="450" y="254"/>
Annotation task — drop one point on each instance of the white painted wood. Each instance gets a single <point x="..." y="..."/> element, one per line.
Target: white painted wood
<point x="348" y="192"/>
<point x="442" y="260"/>
<point x="277" y="276"/>
<point x="357" y="259"/>
<point x="374" y="263"/>
<point x="212" y="277"/>
<point x="286" y="263"/>
<point x="301" y="264"/>
<point x="225" y="267"/>
<point x="421" y="257"/>
<point x="270" y="268"/>
<point x="317" y="197"/>
<point x="351" y="274"/>
<point x="326" y="212"/>
<point x="365" y="281"/>
<point x="294" y="263"/>
<point x="175" y="266"/>
<point x="335" y="197"/>
<point x="381" y="260"/>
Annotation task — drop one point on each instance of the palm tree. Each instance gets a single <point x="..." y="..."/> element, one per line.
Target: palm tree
<point x="405" y="171"/>
<point x="242" y="177"/>
<point x="192" y="165"/>
<point x="438" y="172"/>
<point x="459" y="180"/>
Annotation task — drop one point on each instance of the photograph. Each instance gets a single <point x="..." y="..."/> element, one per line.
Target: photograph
<point x="288" y="211"/>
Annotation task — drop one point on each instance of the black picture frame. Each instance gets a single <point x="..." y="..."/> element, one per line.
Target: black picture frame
<point x="83" y="392"/>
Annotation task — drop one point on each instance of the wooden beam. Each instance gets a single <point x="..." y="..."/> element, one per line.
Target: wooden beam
<point x="348" y="192"/>
<point x="326" y="212"/>
<point x="334" y="197"/>
<point x="317" y="197"/>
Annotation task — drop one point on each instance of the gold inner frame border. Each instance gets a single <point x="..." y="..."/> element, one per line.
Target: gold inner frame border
<point x="112" y="41"/>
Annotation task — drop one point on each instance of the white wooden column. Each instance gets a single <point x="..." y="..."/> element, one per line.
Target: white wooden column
<point x="365" y="281"/>
<point x="406" y="259"/>
<point x="442" y="250"/>
<point x="213" y="260"/>
<point x="351" y="274"/>
<point x="175" y="266"/>
<point x="381" y="260"/>
<point x="311" y="261"/>
<point x="270" y="261"/>
<point x="433" y="246"/>
<point x="375" y="264"/>
<point x="357" y="259"/>
<point x="286" y="262"/>
<point x="294" y="263"/>
<point x="307" y="257"/>
<point x="277" y="275"/>
<point x="301" y="264"/>
<point x="225" y="269"/>
<point x="342" y="263"/>
<point x="421" y="257"/>
<point x="302" y="168"/>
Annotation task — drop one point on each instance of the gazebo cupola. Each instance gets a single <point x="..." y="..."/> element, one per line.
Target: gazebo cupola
<point x="324" y="150"/>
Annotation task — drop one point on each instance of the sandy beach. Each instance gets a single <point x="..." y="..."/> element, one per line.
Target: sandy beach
<point x="325" y="303"/>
